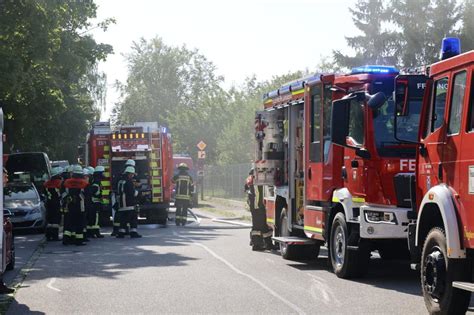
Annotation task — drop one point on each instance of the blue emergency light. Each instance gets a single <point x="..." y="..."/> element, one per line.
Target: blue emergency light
<point x="450" y="47"/>
<point x="375" y="70"/>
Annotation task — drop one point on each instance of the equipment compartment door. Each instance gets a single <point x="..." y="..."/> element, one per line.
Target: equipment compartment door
<point x="269" y="151"/>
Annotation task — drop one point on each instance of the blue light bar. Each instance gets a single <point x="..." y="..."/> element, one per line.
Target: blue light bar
<point x="375" y="70"/>
<point x="450" y="47"/>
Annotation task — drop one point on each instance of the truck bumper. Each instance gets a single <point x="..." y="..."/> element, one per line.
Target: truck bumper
<point x="384" y="222"/>
<point x="159" y="209"/>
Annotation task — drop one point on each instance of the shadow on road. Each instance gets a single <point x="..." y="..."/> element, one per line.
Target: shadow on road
<point x="21" y="309"/>
<point x="111" y="257"/>
<point x="389" y="275"/>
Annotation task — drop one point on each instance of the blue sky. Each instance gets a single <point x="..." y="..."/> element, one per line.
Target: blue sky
<point x="242" y="38"/>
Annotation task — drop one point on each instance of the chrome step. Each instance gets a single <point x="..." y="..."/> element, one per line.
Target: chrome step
<point x="468" y="286"/>
<point x="294" y="240"/>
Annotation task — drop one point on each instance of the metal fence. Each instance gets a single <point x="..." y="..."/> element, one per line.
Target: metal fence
<point x="226" y="181"/>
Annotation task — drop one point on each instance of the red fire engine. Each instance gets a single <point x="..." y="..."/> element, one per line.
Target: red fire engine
<point x="442" y="237"/>
<point x="321" y="189"/>
<point x="150" y="147"/>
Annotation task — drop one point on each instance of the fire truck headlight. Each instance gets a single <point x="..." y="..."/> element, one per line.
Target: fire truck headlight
<point x="380" y="217"/>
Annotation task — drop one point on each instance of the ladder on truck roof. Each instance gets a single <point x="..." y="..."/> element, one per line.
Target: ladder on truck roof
<point x="156" y="167"/>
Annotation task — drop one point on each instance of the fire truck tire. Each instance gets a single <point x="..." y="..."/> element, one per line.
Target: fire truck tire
<point x="295" y="252"/>
<point x="346" y="263"/>
<point x="437" y="275"/>
<point x="289" y="252"/>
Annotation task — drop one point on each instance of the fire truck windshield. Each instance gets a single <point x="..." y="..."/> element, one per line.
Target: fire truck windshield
<point x="383" y="122"/>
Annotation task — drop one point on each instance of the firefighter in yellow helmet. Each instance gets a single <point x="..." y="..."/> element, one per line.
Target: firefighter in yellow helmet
<point x="183" y="186"/>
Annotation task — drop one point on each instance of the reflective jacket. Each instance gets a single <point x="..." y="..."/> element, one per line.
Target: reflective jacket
<point x="74" y="193"/>
<point x="183" y="185"/>
<point x="126" y="194"/>
<point x="53" y="193"/>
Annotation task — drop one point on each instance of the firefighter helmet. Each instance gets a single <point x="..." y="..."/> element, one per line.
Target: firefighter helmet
<point x="130" y="169"/>
<point x="86" y="171"/>
<point x="183" y="166"/>
<point x="99" y="169"/>
<point x="56" y="171"/>
<point x="77" y="169"/>
<point x="130" y="163"/>
<point x="70" y="169"/>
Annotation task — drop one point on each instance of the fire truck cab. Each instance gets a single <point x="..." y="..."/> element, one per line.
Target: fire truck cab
<point x="442" y="237"/>
<point x="330" y="164"/>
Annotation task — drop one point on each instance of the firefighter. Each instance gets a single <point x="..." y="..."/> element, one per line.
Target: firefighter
<point x="115" y="204"/>
<point x="184" y="183"/>
<point x="74" y="200"/>
<point x="87" y="200"/>
<point x="127" y="204"/>
<point x="53" y="204"/>
<point x="93" y="228"/>
<point x="260" y="235"/>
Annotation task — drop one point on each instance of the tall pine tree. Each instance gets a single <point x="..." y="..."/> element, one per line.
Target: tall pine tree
<point x="376" y="44"/>
<point x="467" y="29"/>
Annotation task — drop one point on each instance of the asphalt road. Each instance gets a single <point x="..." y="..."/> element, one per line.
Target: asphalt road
<point x="200" y="269"/>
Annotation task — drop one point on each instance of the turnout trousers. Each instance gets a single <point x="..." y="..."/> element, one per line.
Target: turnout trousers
<point x="93" y="227"/>
<point x="53" y="217"/>
<point x="182" y="206"/>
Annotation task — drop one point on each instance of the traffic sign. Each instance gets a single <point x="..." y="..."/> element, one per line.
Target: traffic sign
<point x="201" y="154"/>
<point x="201" y="145"/>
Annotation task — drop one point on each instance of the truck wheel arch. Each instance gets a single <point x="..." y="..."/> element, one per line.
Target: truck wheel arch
<point x="437" y="209"/>
<point x="343" y="198"/>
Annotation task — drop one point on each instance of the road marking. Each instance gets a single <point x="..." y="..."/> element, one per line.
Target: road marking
<point x="50" y="285"/>
<point x="320" y="286"/>
<point x="238" y="271"/>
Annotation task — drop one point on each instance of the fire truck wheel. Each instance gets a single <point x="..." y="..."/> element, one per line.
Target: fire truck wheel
<point x="437" y="275"/>
<point x="346" y="263"/>
<point x="287" y="251"/>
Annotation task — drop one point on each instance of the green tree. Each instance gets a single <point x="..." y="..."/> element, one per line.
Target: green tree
<point x="237" y="140"/>
<point x="376" y="44"/>
<point x="178" y="88"/>
<point x="50" y="88"/>
<point x="467" y="29"/>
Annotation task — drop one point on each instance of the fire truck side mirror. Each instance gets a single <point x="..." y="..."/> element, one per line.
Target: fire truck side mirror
<point x="340" y="121"/>
<point x="376" y="100"/>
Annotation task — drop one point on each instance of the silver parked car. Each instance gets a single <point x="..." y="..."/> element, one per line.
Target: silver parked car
<point x="25" y="204"/>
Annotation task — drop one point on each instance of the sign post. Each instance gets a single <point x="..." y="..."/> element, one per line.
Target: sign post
<point x="201" y="157"/>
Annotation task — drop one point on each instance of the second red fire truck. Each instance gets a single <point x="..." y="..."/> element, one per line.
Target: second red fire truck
<point x="442" y="236"/>
<point x="150" y="147"/>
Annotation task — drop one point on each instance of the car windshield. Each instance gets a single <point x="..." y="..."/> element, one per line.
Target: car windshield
<point x="19" y="192"/>
<point x="34" y="164"/>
